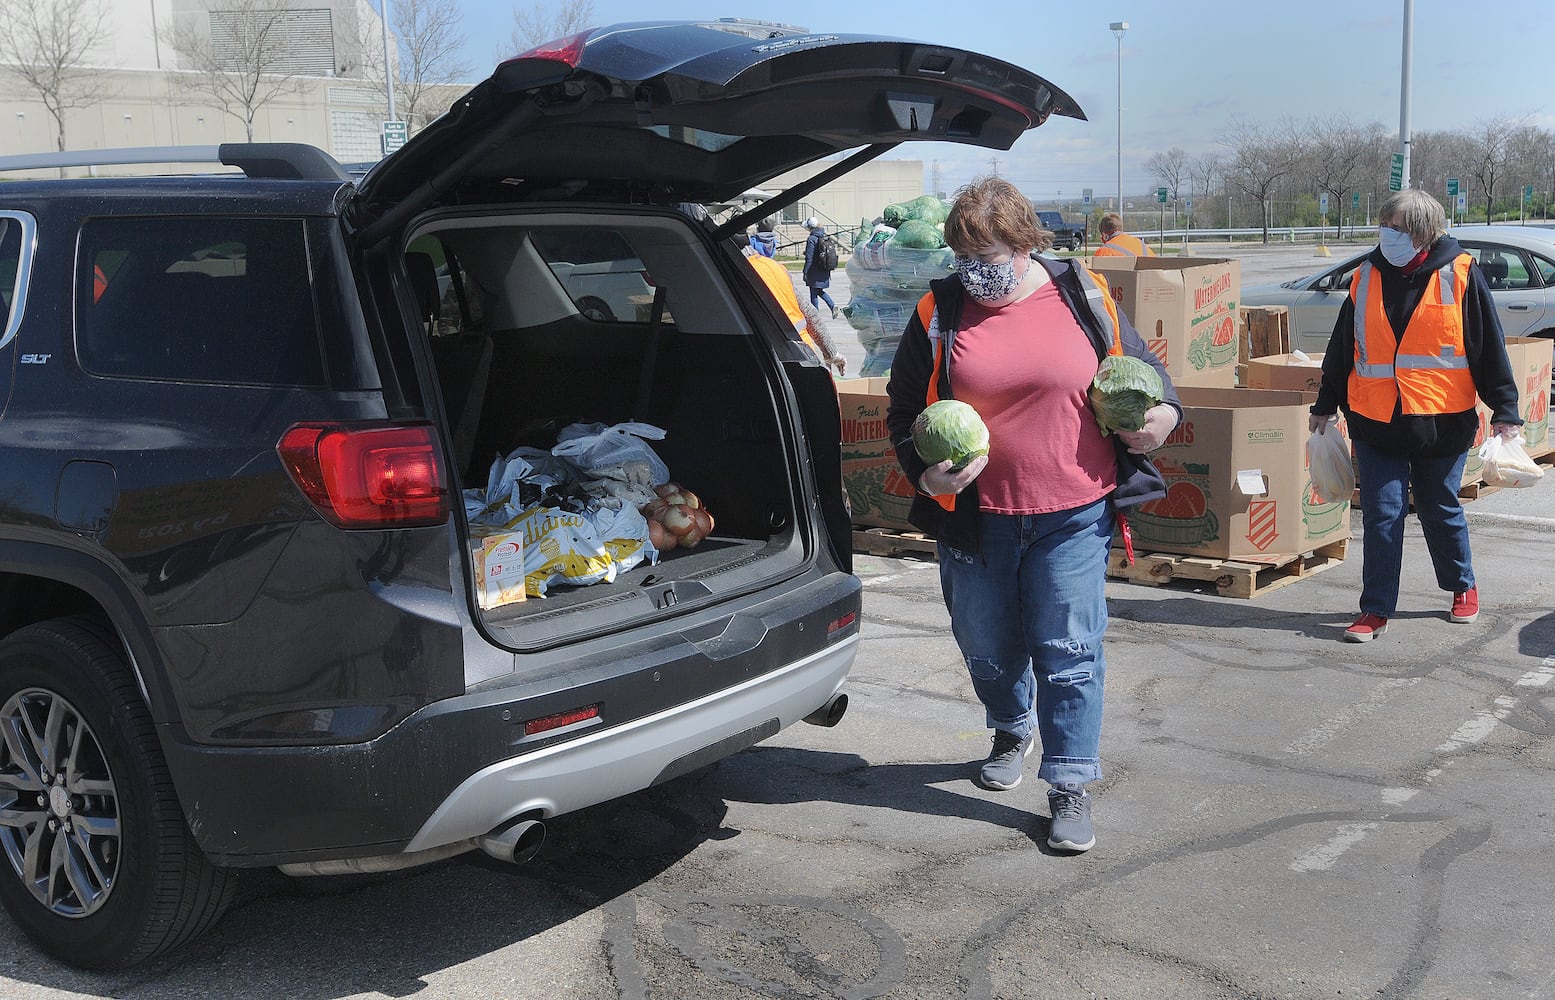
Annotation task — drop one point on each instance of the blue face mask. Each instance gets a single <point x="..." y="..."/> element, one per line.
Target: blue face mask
<point x="1398" y="248"/>
<point x="987" y="282"/>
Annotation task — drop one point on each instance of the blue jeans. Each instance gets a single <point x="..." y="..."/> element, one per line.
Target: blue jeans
<point x="1385" y="479"/>
<point x="817" y="293"/>
<point x="1029" y="613"/>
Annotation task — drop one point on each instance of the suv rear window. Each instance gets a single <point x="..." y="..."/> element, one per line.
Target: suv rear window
<point x="208" y="299"/>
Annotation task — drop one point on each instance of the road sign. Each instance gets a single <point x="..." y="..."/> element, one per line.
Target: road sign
<point x="1160" y="195"/>
<point x="1452" y="187"/>
<point x="1322" y="203"/>
<point x="1188" y="203"/>
<point x="1463" y="201"/>
<point x="394" y="136"/>
<point x="1527" y="192"/>
<point x="1087" y="195"/>
<point x="1396" y="173"/>
<point x="1355" y="201"/>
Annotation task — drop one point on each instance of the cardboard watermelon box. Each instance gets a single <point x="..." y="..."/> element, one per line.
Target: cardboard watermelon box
<point x="1185" y="309"/>
<point x="1237" y="480"/>
<point x="877" y="492"/>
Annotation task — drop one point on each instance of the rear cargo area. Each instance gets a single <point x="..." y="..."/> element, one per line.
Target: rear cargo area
<point x="638" y="325"/>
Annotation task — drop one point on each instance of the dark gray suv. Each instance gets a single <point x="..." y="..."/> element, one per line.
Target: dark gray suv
<point x="252" y="427"/>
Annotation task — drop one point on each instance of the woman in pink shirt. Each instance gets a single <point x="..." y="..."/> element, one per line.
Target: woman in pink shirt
<point x="1024" y="532"/>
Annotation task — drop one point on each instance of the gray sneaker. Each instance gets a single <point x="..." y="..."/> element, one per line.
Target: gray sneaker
<point x="1071" y="829"/>
<point x="1001" y="771"/>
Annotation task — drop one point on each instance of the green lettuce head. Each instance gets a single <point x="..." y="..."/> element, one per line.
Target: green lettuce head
<point x="949" y="429"/>
<point x="1123" y="390"/>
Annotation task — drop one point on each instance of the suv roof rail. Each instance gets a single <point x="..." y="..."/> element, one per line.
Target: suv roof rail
<point x="278" y="160"/>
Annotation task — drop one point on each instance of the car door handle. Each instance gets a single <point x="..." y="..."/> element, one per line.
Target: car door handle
<point x="1519" y="307"/>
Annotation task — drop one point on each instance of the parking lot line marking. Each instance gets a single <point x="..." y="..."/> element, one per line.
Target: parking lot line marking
<point x="1539" y="677"/>
<point x="1478" y="728"/>
<point x="1324" y="856"/>
<point x="1324" y="734"/>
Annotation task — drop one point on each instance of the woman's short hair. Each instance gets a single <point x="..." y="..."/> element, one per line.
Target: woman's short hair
<point x="1110" y="223"/>
<point x="989" y="209"/>
<point x="1417" y="213"/>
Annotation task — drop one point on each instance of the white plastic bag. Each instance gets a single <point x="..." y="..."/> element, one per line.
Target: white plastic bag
<point x="602" y="451"/>
<point x="1507" y="463"/>
<point x="1328" y="460"/>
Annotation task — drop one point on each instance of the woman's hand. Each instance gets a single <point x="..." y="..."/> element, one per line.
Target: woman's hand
<point x="1160" y="420"/>
<point x="1317" y="423"/>
<point x="939" y="481"/>
<point x="1508" y="431"/>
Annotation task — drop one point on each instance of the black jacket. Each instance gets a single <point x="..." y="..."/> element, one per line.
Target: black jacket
<point x="1138" y="480"/>
<point x="1483" y="342"/>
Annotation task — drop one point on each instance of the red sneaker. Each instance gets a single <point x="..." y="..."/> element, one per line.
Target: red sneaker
<point x="1465" y="606"/>
<point x="1366" y="628"/>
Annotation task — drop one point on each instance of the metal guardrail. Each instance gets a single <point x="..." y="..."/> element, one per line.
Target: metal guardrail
<point x="1276" y="233"/>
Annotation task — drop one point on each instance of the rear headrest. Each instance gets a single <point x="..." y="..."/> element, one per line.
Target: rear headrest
<point x="1495" y="267"/>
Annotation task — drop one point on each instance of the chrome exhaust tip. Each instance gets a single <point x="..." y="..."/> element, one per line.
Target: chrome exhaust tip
<point x="515" y="843"/>
<point x="829" y="714"/>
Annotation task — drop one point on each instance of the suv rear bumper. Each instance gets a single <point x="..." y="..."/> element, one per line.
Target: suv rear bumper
<point x="461" y="766"/>
<point x="649" y="751"/>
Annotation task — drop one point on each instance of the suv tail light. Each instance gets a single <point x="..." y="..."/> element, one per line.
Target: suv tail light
<point x="368" y="475"/>
<point x="568" y="49"/>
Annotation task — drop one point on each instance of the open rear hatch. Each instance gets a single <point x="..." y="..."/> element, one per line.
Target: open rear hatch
<point x="600" y="140"/>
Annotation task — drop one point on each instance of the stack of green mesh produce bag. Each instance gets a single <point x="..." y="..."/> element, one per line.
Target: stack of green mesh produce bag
<point x="890" y="272"/>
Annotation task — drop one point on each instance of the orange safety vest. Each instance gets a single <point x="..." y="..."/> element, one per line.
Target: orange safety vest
<point x="1102" y="307"/>
<point x="1123" y="245"/>
<point x="1426" y="370"/>
<point x="775" y="276"/>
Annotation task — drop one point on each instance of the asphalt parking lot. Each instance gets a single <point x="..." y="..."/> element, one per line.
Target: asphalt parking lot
<point x="1283" y="816"/>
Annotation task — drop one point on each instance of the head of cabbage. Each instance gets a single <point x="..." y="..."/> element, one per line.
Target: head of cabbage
<point x="949" y="429"/>
<point x="1123" y="390"/>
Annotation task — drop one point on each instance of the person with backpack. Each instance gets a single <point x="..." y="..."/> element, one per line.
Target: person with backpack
<point x="820" y="260"/>
<point x="765" y="240"/>
<point x="1024" y="531"/>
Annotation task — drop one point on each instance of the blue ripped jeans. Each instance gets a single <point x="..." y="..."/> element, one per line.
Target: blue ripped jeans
<point x="1029" y="613"/>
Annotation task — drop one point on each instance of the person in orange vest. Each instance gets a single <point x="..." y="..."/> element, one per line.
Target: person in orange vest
<point x="1116" y="243"/>
<point x="806" y="321"/>
<point x="1415" y="342"/>
<point x="1024" y="532"/>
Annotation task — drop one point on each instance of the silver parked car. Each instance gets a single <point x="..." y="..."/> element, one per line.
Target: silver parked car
<point x="1518" y="261"/>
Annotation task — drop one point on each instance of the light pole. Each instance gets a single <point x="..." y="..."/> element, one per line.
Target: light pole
<point x="1118" y="28"/>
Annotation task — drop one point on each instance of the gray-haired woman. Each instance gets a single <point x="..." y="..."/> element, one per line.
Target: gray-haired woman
<point x="1416" y="341"/>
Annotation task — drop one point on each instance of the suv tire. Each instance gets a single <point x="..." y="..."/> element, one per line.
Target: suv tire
<point x="119" y="878"/>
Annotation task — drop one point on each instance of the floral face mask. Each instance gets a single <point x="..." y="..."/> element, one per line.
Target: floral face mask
<point x="987" y="282"/>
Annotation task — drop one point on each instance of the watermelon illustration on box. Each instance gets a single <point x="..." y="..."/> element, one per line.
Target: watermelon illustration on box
<point x="1237" y="484"/>
<point x="1182" y="520"/>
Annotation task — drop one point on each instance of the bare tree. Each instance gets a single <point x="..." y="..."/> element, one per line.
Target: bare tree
<point x="542" y="23"/>
<point x="242" y="65"/>
<point x="1260" y="159"/>
<point x="1171" y="169"/>
<point x="1205" y="170"/>
<point x="1492" y="153"/>
<point x="430" y="42"/>
<point x="426" y="45"/>
<point x="44" y="43"/>
<point x="1339" y="155"/>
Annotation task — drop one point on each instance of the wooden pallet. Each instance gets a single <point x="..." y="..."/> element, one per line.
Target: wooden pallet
<point x="890" y="542"/>
<point x="1245" y="577"/>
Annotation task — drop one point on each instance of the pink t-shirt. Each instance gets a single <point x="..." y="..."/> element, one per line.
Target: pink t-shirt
<point x="1027" y="368"/>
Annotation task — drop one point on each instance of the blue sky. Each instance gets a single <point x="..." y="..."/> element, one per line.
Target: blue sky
<point x="1190" y="68"/>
